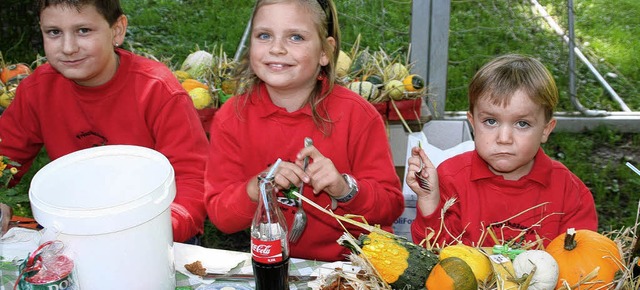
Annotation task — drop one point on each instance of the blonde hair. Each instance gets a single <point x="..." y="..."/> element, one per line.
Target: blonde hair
<point x="499" y="79"/>
<point x="323" y="13"/>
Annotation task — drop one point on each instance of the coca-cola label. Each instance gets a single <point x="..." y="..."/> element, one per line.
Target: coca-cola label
<point x="266" y="252"/>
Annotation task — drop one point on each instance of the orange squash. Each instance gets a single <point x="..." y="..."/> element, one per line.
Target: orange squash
<point x="579" y="252"/>
<point x="13" y="71"/>
<point x="190" y="84"/>
<point x="451" y="273"/>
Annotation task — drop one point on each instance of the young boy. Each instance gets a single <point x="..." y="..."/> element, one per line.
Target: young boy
<point x="92" y="93"/>
<point x="507" y="185"/>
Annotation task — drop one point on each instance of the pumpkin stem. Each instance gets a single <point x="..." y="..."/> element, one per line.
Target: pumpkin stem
<point x="570" y="239"/>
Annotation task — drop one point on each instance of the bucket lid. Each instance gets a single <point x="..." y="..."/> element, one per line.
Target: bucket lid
<point x="102" y="189"/>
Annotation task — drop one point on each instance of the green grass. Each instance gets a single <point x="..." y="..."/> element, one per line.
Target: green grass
<point x="480" y="30"/>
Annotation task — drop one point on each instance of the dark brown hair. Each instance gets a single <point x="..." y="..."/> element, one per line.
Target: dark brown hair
<point x="109" y="9"/>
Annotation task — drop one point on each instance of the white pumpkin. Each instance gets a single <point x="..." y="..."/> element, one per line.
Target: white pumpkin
<point x="546" y="274"/>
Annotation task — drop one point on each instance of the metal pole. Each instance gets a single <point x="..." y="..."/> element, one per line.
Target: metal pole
<point x="243" y="41"/>
<point x="572" y="62"/>
<point x="583" y="58"/>
<point x="242" y="45"/>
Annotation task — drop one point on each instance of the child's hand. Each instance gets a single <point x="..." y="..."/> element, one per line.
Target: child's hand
<point x="321" y="173"/>
<point x="428" y="198"/>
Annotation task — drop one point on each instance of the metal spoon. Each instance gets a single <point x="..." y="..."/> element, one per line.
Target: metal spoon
<point x="300" y="217"/>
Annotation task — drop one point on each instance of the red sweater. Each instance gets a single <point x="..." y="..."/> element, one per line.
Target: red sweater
<point x="143" y="104"/>
<point x="485" y="199"/>
<point x="247" y="141"/>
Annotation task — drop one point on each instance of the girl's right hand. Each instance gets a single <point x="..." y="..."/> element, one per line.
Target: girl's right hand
<point x="288" y="174"/>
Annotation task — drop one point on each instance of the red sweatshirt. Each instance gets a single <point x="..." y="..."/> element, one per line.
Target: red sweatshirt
<point x="143" y="104"/>
<point x="484" y="199"/>
<point x="246" y="140"/>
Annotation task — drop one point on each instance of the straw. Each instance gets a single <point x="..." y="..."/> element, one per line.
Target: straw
<point x="263" y="191"/>
<point x="636" y="170"/>
<point x="272" y="171"/>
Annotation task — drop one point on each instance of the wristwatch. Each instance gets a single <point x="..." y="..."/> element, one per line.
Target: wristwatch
<point x="353" y="189"/>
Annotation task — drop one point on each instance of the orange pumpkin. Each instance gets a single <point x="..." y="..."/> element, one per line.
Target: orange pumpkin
<point x="12" y="71"/>
<point x="579" y="252"/>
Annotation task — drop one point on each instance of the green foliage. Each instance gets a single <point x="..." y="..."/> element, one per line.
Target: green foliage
<point x="170" y="30"/>
<point x="20" y="39"/>
<point x="17" y="197"/>
<point x="599" y="158"/>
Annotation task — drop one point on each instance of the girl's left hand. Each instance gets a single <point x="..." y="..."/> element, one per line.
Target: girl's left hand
<point x="322" y="173"/>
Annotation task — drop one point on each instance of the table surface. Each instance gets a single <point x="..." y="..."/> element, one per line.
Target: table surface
<point x="9" y="274"/>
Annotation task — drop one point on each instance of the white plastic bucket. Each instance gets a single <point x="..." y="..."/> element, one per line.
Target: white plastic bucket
<point x="110" y="207"/>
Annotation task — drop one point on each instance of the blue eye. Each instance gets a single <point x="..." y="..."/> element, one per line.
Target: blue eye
<point x="490" y="122"/>
<point x="297" y="37"/>
<point x="263" y="36"/>
<point x="522" y="124"/>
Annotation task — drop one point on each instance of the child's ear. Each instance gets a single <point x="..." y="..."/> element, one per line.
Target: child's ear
<point x="119" y="29"/>
<point x="470" y="119"/>
<point x="548" y="128"/>
<point x="324" y="58"/>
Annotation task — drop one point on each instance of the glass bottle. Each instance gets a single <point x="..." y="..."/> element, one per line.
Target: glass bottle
<point x="269" y="244"/>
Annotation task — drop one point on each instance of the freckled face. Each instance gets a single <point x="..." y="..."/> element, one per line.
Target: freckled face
<point x="286" y="51"/>
<point x="508" y="136"/>
<point x="79" y="44"/>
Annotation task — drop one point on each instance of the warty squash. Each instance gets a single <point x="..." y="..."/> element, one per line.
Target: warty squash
<point x="579" y="252"/>
<point x="400" y="263"/>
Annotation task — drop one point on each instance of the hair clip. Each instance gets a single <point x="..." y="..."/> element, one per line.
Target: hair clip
<point x="323" y="3"/>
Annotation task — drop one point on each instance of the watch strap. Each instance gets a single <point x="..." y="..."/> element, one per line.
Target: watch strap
<point x="353" y="189"/>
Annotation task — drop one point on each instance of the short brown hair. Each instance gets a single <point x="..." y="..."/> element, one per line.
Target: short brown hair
<point x="503" y="76"/>
<point x="109" y="9"/>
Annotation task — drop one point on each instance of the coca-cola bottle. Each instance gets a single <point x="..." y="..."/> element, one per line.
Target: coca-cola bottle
<point x="269" y="244"/>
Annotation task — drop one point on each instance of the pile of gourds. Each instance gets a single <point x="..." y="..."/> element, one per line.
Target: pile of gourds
<point x="10" y="76"/>
<point x="207" y="78"/>
<point x="378" y="77"/>
<point x="578" y="259"/>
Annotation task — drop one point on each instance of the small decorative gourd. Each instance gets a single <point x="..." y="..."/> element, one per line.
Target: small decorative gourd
<point x="478" y="261"/>
<point x="451" y="273"/>
<point x="13" y="73"/>
<point x="545" y="276"/>
<point x="579" y="252"/>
